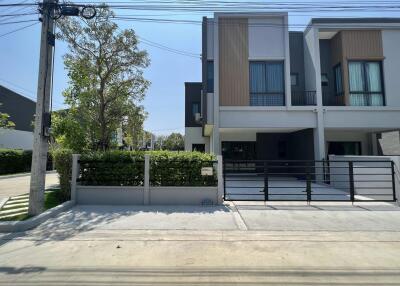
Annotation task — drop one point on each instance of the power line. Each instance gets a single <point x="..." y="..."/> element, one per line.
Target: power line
<point x="17" y="22"/>
<point x="19" y="29"/>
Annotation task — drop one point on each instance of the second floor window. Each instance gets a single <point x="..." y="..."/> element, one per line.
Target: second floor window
<point x="210" y="76"/>
<point x="267" y="83"/>
<point x="365" y="83"/>
<point x="195" y="108"/>
<point x="337" y="71"/>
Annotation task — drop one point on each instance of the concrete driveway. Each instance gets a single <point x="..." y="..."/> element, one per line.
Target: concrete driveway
<point x="20" y="185"/>
<point x="241" y="244"/>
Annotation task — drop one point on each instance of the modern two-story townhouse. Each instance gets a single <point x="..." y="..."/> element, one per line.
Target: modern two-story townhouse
<point x="270" y="93"/>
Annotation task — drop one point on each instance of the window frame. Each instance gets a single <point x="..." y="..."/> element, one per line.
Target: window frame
<point x="199" y="108"/>
<point x="327" y="79"/>
<point x="296" y="75"/>
<point x="210" y="87"/>
<point x="337" y="92"/>
<point x="265" y="63"/>
<point x="365" y="78"/>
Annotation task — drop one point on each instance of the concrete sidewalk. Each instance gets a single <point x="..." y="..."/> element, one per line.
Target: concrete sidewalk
<point x="247" y="244"/>
<point x="15" y="186"/>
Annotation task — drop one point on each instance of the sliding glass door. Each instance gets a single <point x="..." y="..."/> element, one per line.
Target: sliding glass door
<point x="365" y="82"/>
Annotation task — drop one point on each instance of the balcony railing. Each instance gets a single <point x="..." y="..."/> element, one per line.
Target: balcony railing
<point x="303" y="98"/>
<point x="267" y="99"/>
<point x="366" y="99"/>
<point x="333" y="99"/>
<point x="356" y="99"/>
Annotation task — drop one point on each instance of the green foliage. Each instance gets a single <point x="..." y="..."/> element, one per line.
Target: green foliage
<point x="63" y="163"/>
<point x="180" y="169"/>
<point x="172" y="142"/>
<point x="112" y="168"/>
<point x="15" y="161"/>
<point x="105" y="68"/>
<point x="68" y="132"/>
<point x="5" y="122"/>
<point x="126" y="168"/>
<point x="53" y="198"/>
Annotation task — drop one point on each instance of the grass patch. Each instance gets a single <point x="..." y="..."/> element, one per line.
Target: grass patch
<point x="53" y="198"/>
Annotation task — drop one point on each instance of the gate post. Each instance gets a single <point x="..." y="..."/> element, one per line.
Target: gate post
<point x="221" y="183"/>
<point x="146" y="193"/>
<point x="393" y="181"/>
<point x="308" y="183"/>
<point x="266" y="194"/>
<point x="351" y="181"/>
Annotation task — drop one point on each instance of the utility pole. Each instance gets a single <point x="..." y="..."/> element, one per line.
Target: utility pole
<point x="42" y="118"/>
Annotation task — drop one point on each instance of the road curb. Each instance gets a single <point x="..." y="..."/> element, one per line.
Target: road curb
<point x="18" y="226"/>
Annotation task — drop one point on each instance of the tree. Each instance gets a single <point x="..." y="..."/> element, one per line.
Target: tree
<point x="105" y="68"/>
<point x="172" y="142"/>
<point x="5" y="121"/>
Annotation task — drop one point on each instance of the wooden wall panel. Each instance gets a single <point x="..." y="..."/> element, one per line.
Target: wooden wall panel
<point x="233" y="62"/>
<point x="362" y="44"/>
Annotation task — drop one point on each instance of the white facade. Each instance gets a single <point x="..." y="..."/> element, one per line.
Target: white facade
<point x="268" y="39"/>
<point x="193" y="135"/>
<point x="16" y="139"/>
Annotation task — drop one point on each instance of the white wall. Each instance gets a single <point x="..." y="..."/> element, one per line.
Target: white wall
<point x="238" y="136"/>
<point x="16" y="139"/>
<point x="266" y="38"/>
<point x="252" y="117"/>
<point x="391" y="65"/>
<point x="193" y="135"/>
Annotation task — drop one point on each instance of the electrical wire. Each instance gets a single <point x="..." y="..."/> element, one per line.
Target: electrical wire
<point x="19" y="29"/>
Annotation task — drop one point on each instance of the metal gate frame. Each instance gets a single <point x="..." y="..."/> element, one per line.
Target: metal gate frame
<point x="307" y="171"/>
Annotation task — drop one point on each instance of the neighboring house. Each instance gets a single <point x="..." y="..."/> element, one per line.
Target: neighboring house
<point x="268" y="93"/>
<point x="21" y="111"/>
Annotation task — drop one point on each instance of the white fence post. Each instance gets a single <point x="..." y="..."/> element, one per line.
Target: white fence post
<point x="74" y="175"/>
<point x="220" y="180"/>
<point x="146" y="197"/>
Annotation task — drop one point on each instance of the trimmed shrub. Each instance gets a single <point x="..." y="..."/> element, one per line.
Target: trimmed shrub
<point x="112" y="168"/>
<point x="63" y="164"/>
<point x="126" y="168"/>
<point x="15" y="161"/>
<point x="181" y="169"/>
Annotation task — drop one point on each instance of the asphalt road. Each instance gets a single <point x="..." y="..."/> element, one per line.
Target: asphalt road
<point x="20" y="185"/>
<point x="244" y="245"/>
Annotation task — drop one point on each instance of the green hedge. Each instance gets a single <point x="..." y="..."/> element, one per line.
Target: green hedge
<point x="15" y="161"/>
<point x="180" y="169"/>
<point x="63" y="164"/>
<point x="112" y="168"/>
<point x="126" y="168"/>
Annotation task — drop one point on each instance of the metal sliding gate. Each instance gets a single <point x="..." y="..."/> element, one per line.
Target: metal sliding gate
<point x="295" y="180"/>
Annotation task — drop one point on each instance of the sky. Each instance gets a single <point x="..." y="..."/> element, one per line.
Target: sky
<point x="164" y="101"/>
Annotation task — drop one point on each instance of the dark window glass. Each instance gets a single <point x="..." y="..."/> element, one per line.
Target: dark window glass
<point x="337" y="70"/>
<point x="199" y="147"/>
<point x="210" y="76"/>
<point x="294" y="79"/>
<point x="324" y="79"/>
<point x="266" y="83"/>
<point x="195" y="108"/>
<point x="239" y="150"/>
<point x="344" y="148"/>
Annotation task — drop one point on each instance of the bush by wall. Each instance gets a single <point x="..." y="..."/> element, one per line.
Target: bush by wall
<point x="180" y="169"/>
<point x="63" y="164"/>
<point x="15" y="161"/>
<point x="112" y="168"/>
<point x="126" y="168"/>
